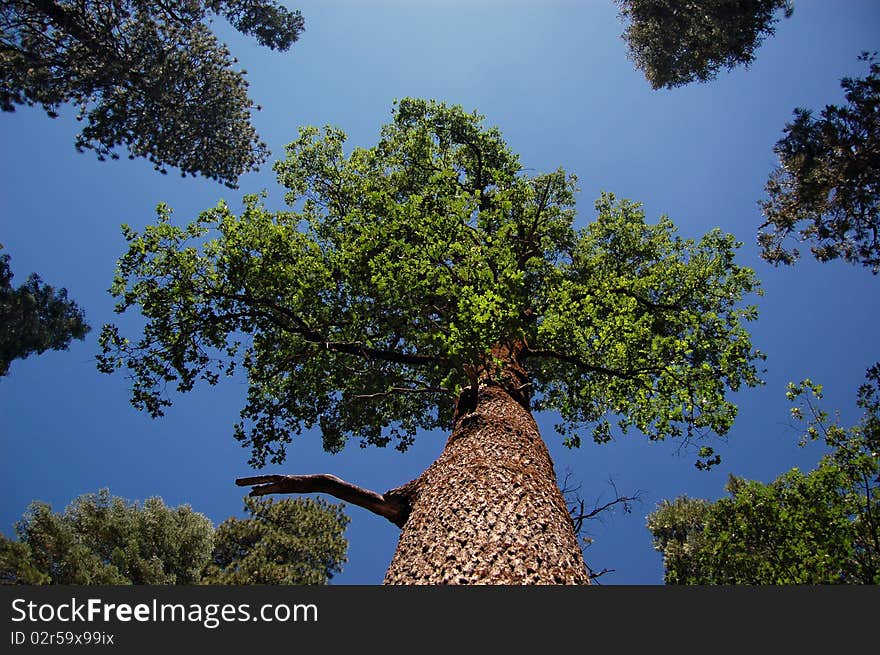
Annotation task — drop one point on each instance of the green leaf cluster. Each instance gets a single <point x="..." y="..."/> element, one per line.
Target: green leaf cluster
<point x="103" y="539"/>
<point x="818" y="527"/>
<point x="648" y="330"/>
<point x="35" y="317"/>
<point x="147" y="76"/>
<point x="825" y="190"/>
<point x="286" y="542"/>
<point x="676" y="42"/>
<point x="429" y="263"/>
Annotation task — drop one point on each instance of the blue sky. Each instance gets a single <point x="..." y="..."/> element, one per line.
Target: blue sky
<point x="554" y="77"/>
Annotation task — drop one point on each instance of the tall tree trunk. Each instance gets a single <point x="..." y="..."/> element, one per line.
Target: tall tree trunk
<point x="489" y="510"/>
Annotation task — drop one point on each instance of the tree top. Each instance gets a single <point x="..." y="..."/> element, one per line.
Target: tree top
<point x="410" y="271"/>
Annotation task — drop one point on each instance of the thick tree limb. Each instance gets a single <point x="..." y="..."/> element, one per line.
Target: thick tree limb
<point x="299" y="326"/>
<point x="393" y="505"/>
<point x="571" y="359"/>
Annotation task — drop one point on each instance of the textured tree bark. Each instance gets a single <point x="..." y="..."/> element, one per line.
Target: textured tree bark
<point x="489" y="510"/>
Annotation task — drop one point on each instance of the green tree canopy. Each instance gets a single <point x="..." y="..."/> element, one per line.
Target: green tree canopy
<point x="408" y="271"/>
<point x="17" y="566"/>
<point x="34" y="318"/>
<point x="675" y="42"/>
<point x="826" y="190"/>
<point x="818" y="527"/>
<point x="147" y="76"/>
<point x="104" y="539"/>
<point x="289" y="542"/>
<point x="101" y="539"/>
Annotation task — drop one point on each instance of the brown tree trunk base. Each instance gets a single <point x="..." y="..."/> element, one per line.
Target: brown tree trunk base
<point x="489" y="510"/>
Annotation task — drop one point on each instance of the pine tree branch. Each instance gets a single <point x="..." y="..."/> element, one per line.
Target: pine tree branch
<point x="393" y="505"/>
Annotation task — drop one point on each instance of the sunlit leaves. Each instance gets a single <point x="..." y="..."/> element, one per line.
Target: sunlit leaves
<point x="646" y="330"/>
<point x="826" y="190"/>
<point x="104" y="539"/>
<point x="675" y="42"/>
<point x="794" y="530"/>
<point x="150" y="77"/>
<point x="818" y="527"/>
<point x="400" y="272"/>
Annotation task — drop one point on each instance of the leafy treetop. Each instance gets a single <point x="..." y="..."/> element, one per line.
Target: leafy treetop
<point x="34" y="318"/>
<point x="104" y="539"/>
<point x="818" y="527"/>
<point x="412" y="270"/>
<point x="146" y="75"/>
<point x="675" y="42"/>
<point x="292" y="541"/>
<point x="826" y="190"/>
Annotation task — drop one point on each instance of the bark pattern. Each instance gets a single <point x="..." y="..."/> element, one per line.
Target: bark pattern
<point x="489" y="510"/>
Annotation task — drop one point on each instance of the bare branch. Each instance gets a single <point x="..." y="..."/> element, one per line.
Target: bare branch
<point x="577" y="507"/>
<point x="579" y="513"/>
<point x="567" y="488"/>
<point x="397" y="390"/>
<point x="598" y="509"/>
<point x="393" y="505"/>
<point x="598" y="574"/>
